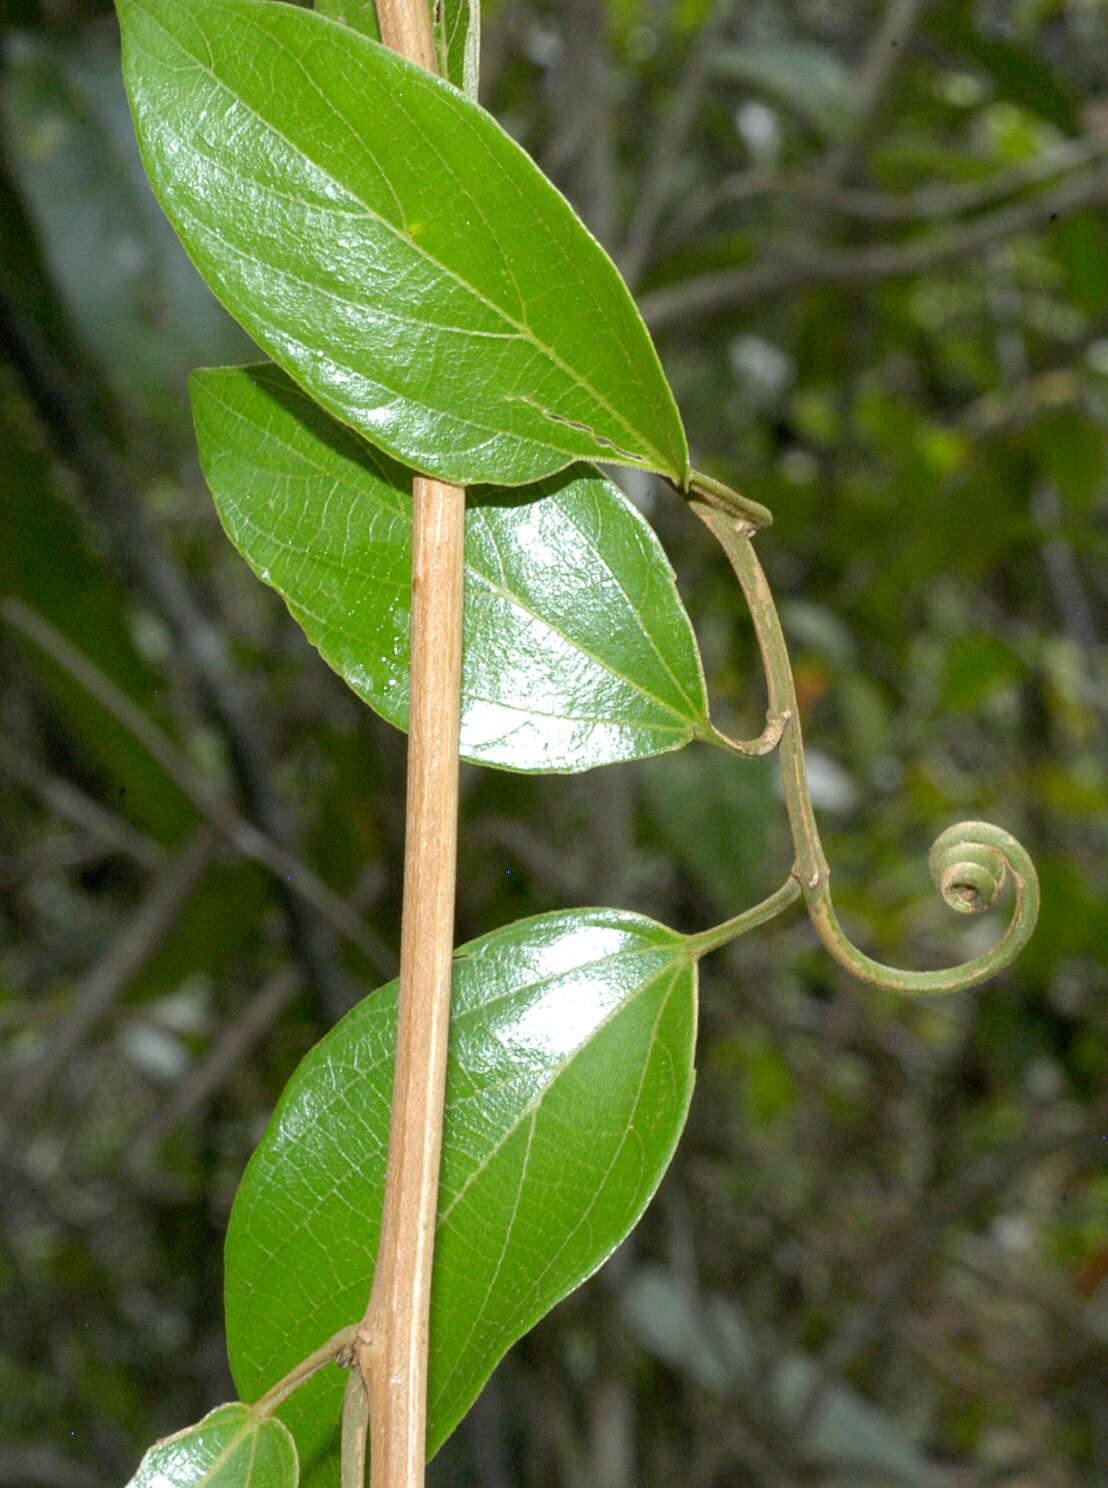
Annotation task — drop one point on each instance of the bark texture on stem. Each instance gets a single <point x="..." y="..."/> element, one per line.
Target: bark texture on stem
<point x="393" y="1339"/>
<point x="406" y="28"/>
<point x="392" y="1351"/>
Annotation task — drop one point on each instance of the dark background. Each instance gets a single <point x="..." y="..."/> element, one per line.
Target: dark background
<point x="871" y="241"/>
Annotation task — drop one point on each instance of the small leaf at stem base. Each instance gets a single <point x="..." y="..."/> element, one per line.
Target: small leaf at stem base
<point x="232" y="1447"/>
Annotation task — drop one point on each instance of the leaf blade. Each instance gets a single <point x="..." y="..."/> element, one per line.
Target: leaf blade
<point x="231" y="1447"/>
<point x="572" y="1041"/>
<point x="502" y="352"/>
<point x="578" y="651"/>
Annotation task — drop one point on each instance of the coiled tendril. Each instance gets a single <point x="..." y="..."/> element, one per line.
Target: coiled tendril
<point x="970" y="863"/>
<point x="969" y="867"/>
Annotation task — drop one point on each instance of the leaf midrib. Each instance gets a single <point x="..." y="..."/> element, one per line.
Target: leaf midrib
<point x="695" y="705"/>
<point x="527" y="990"/>
<point x="491" y="432"/>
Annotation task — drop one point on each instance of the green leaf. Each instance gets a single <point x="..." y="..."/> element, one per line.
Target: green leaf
<point x="391" y="247"/>
<point x="577" y="649"/>
<point x="230" y="1448"/>
<point x="457" y="25"/>
<point x="569" y="1081"/>
<point x="360" y="14"/>
<point x="976" y="667"/>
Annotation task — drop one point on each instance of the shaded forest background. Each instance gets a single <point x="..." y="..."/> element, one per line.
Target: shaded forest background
<point x="871" y="241"/>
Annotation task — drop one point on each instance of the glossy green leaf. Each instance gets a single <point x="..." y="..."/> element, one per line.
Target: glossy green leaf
<point x="569" y="1081"/>
<point x="391" y="247"/>
<point x="457" y="26"/>
<point x="230" y="1448"/>
<point x="577" y="649"/>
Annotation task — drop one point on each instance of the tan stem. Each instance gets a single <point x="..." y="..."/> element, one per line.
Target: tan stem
<point x="393" y="1338"/>
<point x="406" y="28"/>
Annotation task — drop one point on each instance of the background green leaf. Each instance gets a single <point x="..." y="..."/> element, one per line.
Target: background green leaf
<point x="360" y="14"/>
<point x="716" y="819"/>
<point x="457" y="26"/>
<point x="121" y="271"/>
<point x="77" y="594"/>
<point x="807" y="79"/>
<point x="1022" y="74"/>
<point x="391" y="247"/>
<point x="577" y="649"/>
<point x="570" y="1077"/>
<point x="709" y="1339"/>
<point x="230" y="1448"/>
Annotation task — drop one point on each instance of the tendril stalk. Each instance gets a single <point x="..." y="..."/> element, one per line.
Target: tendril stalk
<point x="970" y="863"/>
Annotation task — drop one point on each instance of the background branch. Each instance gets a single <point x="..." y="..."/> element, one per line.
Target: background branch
<point x="108" y="981"/>
<point x="247" y="838"/>
<point x="86" y="430"/>
<point x="730" y="288"/>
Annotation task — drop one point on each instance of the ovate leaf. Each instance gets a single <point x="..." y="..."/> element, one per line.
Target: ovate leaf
<point x="230" y="1448"/>
<point x="391" y="247"/>
<point x="569" y="1081"/>
<point x="577" y="649"/>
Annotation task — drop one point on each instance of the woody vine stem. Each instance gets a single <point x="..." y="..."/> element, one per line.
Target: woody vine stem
<point x="386" y="1395"/>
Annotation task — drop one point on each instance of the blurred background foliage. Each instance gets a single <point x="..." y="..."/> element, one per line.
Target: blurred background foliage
<point x="871" y="239"/>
